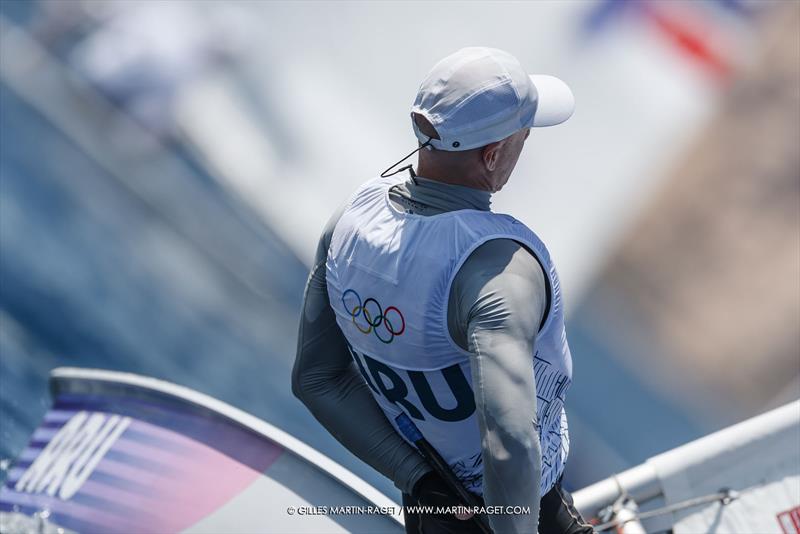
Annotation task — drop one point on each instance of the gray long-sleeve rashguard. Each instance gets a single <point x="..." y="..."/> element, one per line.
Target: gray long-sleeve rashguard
<point x="496" y="305"/>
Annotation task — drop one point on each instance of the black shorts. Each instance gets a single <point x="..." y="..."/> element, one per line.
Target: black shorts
<point x="557" y="515"/>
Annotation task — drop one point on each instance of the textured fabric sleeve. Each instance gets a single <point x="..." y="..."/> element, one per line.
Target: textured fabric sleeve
<point x="326" y="381"/>
<point x="500" y="298"/>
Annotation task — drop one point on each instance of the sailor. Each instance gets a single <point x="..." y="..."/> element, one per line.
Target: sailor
<point x="423" y="301"/>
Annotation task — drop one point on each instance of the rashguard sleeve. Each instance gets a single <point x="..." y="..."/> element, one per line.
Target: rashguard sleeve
<point x="325" y="380"/>
<point x="500" y="294"/>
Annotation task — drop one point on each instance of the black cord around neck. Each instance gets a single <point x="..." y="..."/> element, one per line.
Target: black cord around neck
<point x="410" y="168"/>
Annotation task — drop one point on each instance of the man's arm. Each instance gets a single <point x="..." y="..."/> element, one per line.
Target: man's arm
<point x="325" y="379"/>
<point x="500" y="297"/>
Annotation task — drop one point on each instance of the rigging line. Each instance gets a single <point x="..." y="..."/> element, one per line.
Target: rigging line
<point x="725" y="496"/>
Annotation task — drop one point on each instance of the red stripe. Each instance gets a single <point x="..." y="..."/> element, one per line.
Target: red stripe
<point x="790" y="516"/>
<point x="691" y="41"/>
<point x="795" y="515"/>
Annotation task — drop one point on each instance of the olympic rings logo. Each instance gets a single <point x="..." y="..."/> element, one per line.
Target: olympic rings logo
<point x="369" y="317"/>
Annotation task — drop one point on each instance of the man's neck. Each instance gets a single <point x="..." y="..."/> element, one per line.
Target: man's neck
<point x="423" y="196"/>
<point x="452" y="176"/>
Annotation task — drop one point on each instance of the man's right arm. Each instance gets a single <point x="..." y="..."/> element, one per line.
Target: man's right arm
<point x="500" y="294"/>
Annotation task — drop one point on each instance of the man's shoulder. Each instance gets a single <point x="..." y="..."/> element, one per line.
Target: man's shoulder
<point x="505" y="266"/>
<point x="499" y="256"/>
<point x="336" y="216"/>
<point x="501" y="282"/>
<point x="327" y="232"/>
<point x="504" y="233"/>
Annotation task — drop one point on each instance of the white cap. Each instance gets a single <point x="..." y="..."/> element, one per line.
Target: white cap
<point x="479" y="95"/>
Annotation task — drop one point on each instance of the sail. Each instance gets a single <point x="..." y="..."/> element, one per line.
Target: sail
<point x="123" y="453"/>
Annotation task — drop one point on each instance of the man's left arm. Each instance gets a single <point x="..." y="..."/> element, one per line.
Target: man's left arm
<point x="325" y="379"/>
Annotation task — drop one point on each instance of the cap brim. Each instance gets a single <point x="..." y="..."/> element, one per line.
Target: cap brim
<point x="556" y="102"/>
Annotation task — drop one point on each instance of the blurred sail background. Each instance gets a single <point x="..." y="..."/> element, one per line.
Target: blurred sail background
<point x="166" y="168"/>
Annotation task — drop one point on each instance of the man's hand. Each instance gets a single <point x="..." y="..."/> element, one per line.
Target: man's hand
<point x="431" y="490"/>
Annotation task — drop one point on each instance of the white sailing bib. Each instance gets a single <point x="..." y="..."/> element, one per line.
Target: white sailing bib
<point x="389" y="276"/>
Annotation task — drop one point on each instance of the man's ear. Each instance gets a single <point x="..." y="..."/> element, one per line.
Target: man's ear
<point x="491" y="154"/>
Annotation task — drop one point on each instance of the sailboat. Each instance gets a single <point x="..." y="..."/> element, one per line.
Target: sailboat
<point x="122" y="453"/>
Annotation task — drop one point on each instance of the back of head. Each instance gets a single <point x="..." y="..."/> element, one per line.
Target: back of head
<point x="478" y="95"/>
<point x="437" y="164"/>
<point x="477" y="100"/>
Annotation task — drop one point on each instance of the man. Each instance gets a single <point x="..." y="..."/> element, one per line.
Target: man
<point x="423" y="302"/>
